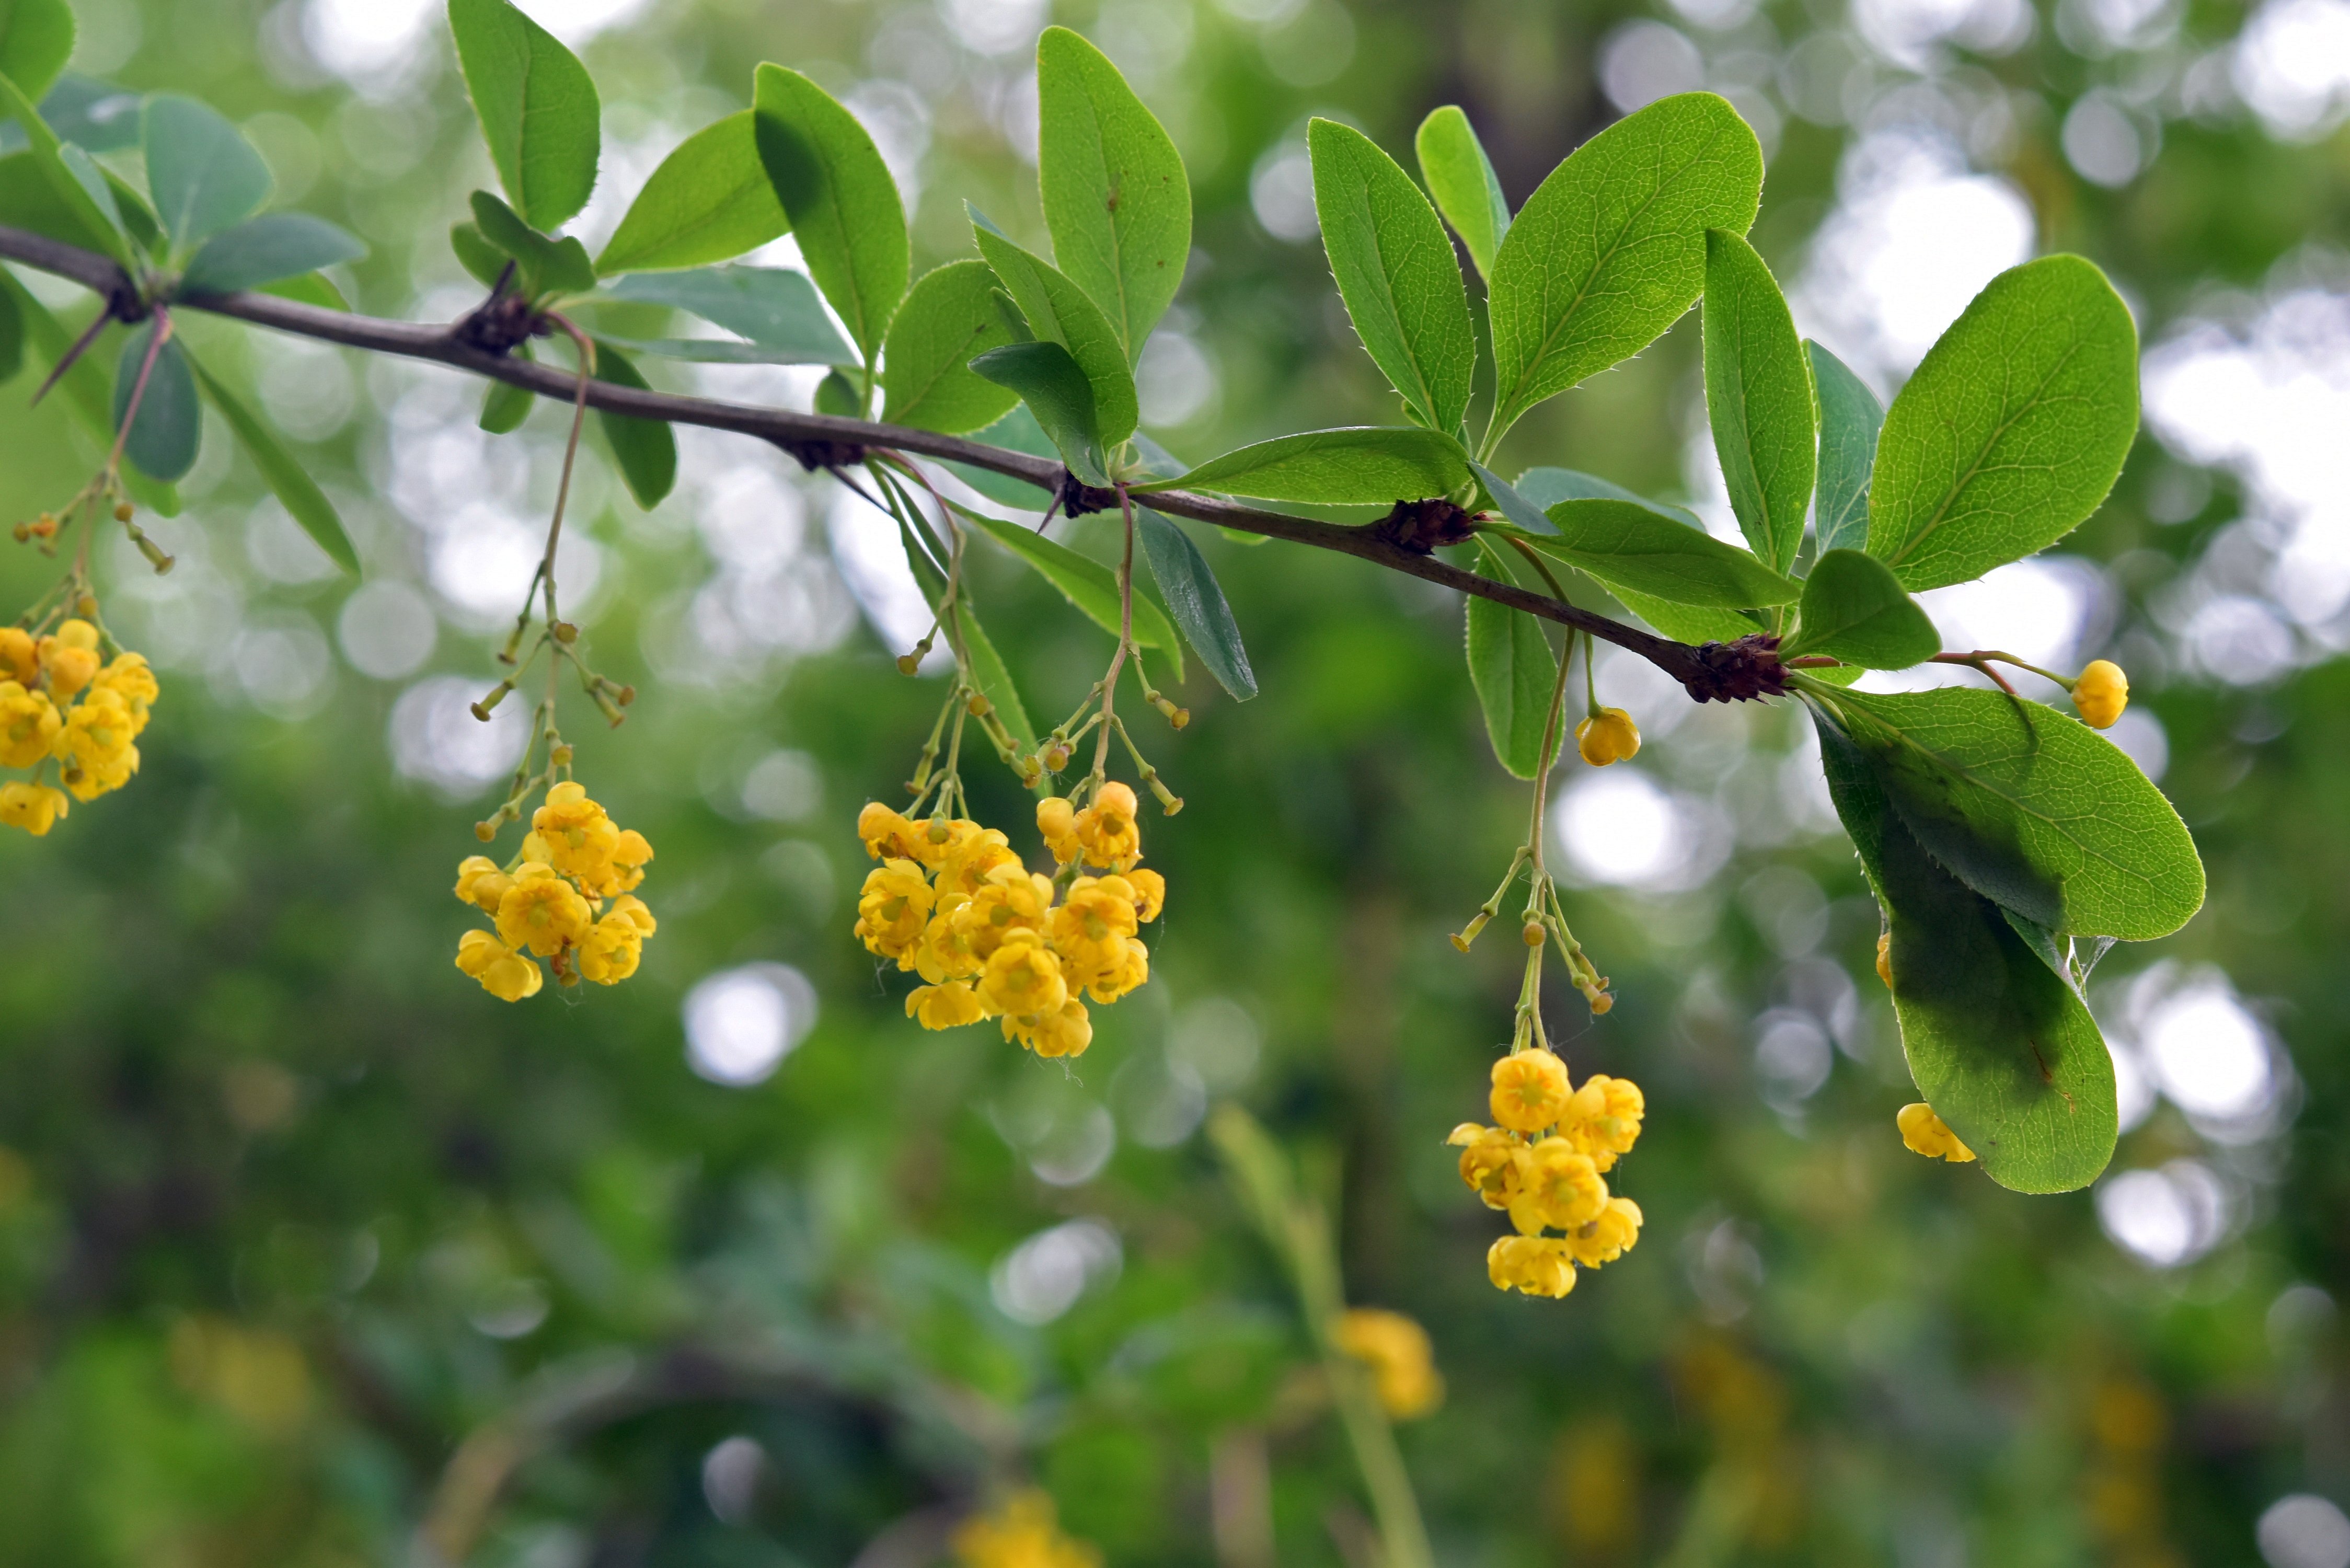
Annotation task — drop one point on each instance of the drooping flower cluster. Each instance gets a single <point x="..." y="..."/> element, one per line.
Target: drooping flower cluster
<point x="1023" y="1531"/>
<point x="1546" y="1164"/>
<point x="1401" y="1362"/>
<point x="62" y="702"/>
<point x="567" y="898"/>
<point x="952" y="902"/>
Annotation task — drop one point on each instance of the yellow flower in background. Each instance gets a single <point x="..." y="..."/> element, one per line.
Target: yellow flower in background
<point x="481" y="883"/>
<point x="1603" y="1117"/>
<point x="130" y="679"/>
<point x="1151" y="893"/>
<point x="1529" y="1090"/>
<point x="893" y="908"/>
<point x="542" y="912"/>
<point x="1608" y="1235"/>
<point x="611" y="949"/>
<point x="1107" y="830"/>
<point x="1610" y="736"/>
<point x="32" y="808"/>
<point x="1014" y="902"/>
<point x="1535" y="1265"/>
<point x="1056" y="824"/>
<point x="29" y="723"/>
<point x="1021" y="1532"/>
<point x="948" y="1006"/>
<point x="1489" y="1161"/>
<point x="576" y="835"/>
<point x="1396" y="1349"/>
<point x="944" y="952"/>
<point x="941" y="840"/>
<point x="972" y="858"/>
<point x="887" y="835"/>
<point x="1558" y="1187"/>
<point x="1066" y="1033"/>
<point x="503" y="972"/>
<point x="95" y="746"/>
<point x="2101" y="693"/>
<point x="1132" y="971"/>
<point x="69" y="658"/>
<point x="1023" y="979"/>
<point x="630" y="857"/>
<point x="1092" y="926"/>
<point x="20" y="658"/>
<point x="1928" y="1133"/>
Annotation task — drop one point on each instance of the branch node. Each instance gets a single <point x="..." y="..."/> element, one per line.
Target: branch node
<point x="833" y="455"/>
<point x="1077" y="498"/>
<point x="1420" y="526"/>
<point x="1737" y="671"/>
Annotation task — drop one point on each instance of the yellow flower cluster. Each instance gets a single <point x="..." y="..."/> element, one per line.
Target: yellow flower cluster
<point x="551" y="901"/>
<point x="952" y="901"/>
<point x="1023" y="1533"/>
<point x="40" y="721"/>
<point x="1928" y="1133"/>
<point x="1396" y="1349"/>
<point x="1546" y="1164"/>
<point x="1607" y="736"/>
<point x="2101" y="693"/>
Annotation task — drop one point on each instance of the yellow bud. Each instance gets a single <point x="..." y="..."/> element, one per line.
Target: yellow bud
<point x="1607" y="736"/>
<point x="486" y="831"/>
<point x="1885" y="959"/>
<point x="77" y="634"/>
<point x="123" y="511"/>
<point x="907" y="663"/>
<point x="1533" y="933"/>
<point x="2101" y="693"/>
<point x="980" y="706"/>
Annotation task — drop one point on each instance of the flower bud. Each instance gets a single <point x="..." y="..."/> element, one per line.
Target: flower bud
<point x="2101" y="693"/>
<point x="1533" y="933"/>
<point x="123" y="511"/>
<point x="1607" y="736"/>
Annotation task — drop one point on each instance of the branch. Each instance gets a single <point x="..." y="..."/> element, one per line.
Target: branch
<point x="1717" y="671"/>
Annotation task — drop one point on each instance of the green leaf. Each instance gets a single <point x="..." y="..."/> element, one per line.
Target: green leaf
<point x="1610" y="250"/>
<point x="310" y="289"/>
<point x="37" y="38"/>
<point x="927" y="382"/>
<point x="169" y="424"/>
<point x="546" y="265"/>
<point x="1117" y="201"/>
<point x="1850" y="417"/>
<point x="646" y="450"/>
<point x="97" y="115"/>
<point x="842" y="202"/>
<point x="994" y="677"/>
<point x="1084" y="581"/>
<point x="2030" y="808"/>
<point x="1510" y="503"/>
<point x="1758" y="396"/>
<point x="1684" y="623"/>
<point x="295" y="489"/>
<point x="1546" y="487"/>
<point x="475" y="253"/>
<point x="709" y="201"/>
<point x="11" y="337"/>
<point x="772" y="306"/>
<point x="1999" y="1044"/>
<point x="838" y="396"/>
<point x="203" y="172"/>
<point x="1058" y="311"/>
<point x="1196" y="602"/>
<point x="1358" y="464"/>
<point x="1056" y="391"/>
<point x="1626" y="545"/>
<point x="101" y="188"/>
<point x="506" y="406"/>
<point x="1854" y="609"/>
<point x="265" y="249"/>
<point x="1514" y="671"/>
<point x="1453" y="165"/>
<point x="1016" y="431"/>
<point x="29" y="200"/>
<point x="1396" y="271"/>
<point x="537" y="106"/>
<point x="103" y="223"/>
<point x="83" y="387"/>
<point x="2012" y="430"/>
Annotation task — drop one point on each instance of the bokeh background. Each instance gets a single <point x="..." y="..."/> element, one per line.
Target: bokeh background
<point x="733" y="1265"/>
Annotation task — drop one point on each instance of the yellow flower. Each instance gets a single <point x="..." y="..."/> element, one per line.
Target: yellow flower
<point x="2101" y="693"/>
<point x="1930" y="1135"/>
<point x="1066" y="1032"/>
<point x="29" y="723"/>
<point x="1396" y="1349"/>
<point x="1885" y="958"/>
<point x="1021" y="1534"/>
<point x="1011" y="901"/>
<point x="1056" y="821"/>
<point x="481" y="883"/>
<point x="1091" y="927"/>
<point x="1489" y="1161"/>
<point x="1529" y="1090"/>
<point x="130" y="678"/>
<point x="944" y="952"/>
<point x="945" y="1006"/>
<point x="1023" y="979"/>
<point x="1608" y="1235"/>
<point x="628" y="857"/>
<point x="579" y="837"/>
<point x="503" y="972"/>
<point x="611" y="949"/>
<point x="941" y="840"/>
<point x="893" y="908"/>
<point x="69" y="658"/>
<point x="1557" y="1185"/>
<point x="542" y="912"/>
<point x="970" y="856"/>
<point x="1610" y="736"/>
<point x="1151" y="894"/>
<point x="20" y="660"/>
<point x="1107" y="829"/>
<point x="1603" y="1117"/>
<point x="888" y="836"/>
<point x="633" y="910"/>
<point x="95" y="746"/>
<point x="32" y="808"/>
<point x="1132" y="971"/>
<point x="1538" y="1265"/>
